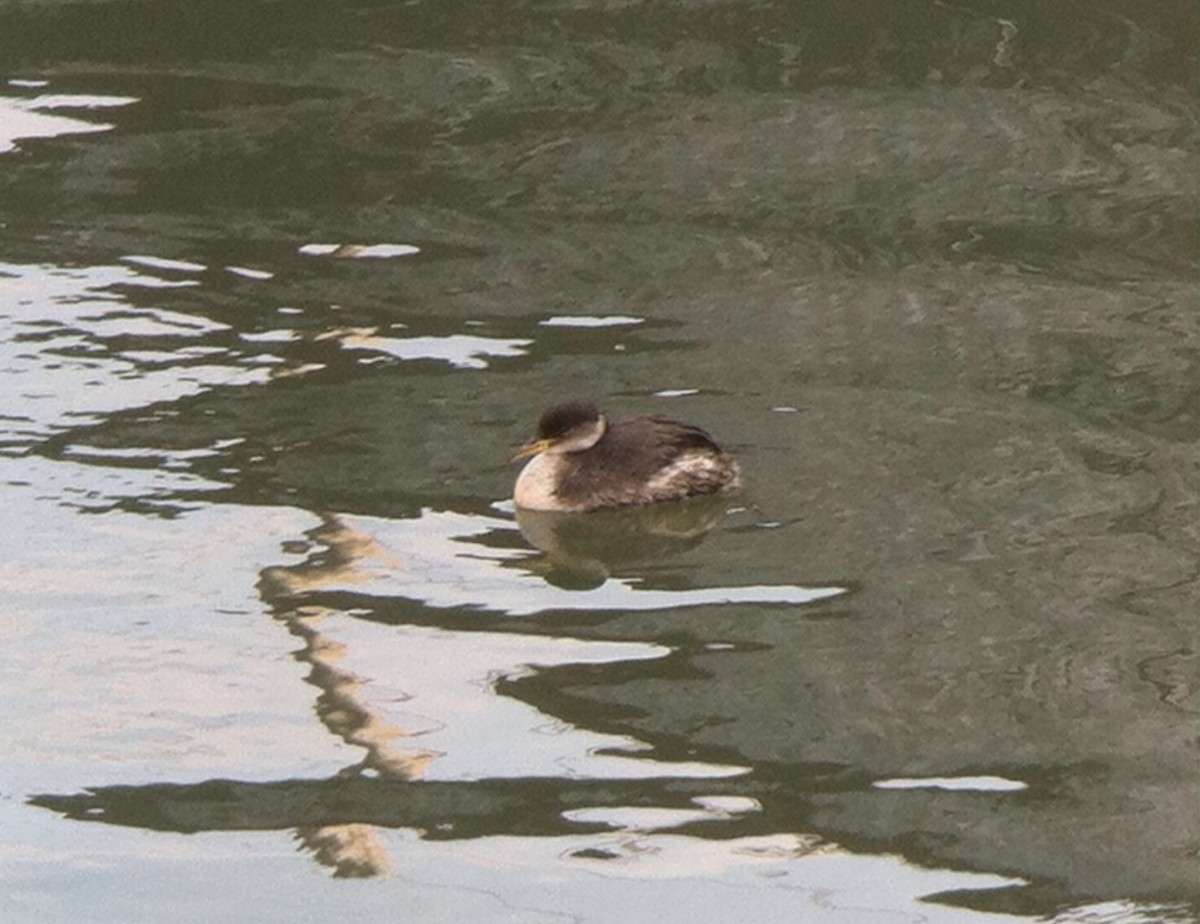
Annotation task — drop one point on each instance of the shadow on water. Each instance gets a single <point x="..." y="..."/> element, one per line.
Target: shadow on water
<point x="928" y="270"/>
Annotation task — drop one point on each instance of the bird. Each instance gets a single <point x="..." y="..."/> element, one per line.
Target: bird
<point x="583" y="461"/>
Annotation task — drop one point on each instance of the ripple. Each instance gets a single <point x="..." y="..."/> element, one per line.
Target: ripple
<point x="67" y="351"/>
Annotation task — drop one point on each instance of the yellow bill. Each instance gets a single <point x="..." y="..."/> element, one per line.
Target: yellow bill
<point x="531" y="448"/>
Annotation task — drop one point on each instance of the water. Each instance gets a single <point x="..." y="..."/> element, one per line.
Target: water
<point x="280" y="294"/>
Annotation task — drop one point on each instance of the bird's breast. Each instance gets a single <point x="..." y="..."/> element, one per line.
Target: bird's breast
<point x="535" y="488"/>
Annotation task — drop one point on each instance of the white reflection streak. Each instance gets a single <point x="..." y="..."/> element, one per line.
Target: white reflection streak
<point x="954" y="783"/>
<point x="22" y="118"/>
<point x="359" y="251"/>
<point x="591" y="321"/>
<point x="162" y="263"/>
<point x="461" y="351"/>
<point x="440" y="572"/>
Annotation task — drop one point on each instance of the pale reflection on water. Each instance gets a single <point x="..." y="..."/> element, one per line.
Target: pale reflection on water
<point x="73" y="349"/>
<point x="40" y="116"/>
<point x="446" y="702"/>
<point x="441" y="561"/>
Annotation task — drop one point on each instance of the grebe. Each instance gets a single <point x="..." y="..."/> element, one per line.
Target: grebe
<point x="583" y="461"/>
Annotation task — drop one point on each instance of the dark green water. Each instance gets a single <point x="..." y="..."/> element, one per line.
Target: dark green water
<point x="929" y="270"/>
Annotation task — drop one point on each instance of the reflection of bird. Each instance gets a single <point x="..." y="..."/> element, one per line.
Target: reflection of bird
<point x="583" y="552"/>
<point x="583" y="461"/>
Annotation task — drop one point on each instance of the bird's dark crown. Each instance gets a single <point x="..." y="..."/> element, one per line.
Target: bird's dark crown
<point x="563" y="418"/>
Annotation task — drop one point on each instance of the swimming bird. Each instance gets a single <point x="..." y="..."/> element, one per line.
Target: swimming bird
<point x="584" y="461"/>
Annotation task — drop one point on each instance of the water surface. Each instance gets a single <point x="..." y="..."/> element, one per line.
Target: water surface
<point x="279" y="295"/>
